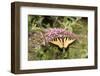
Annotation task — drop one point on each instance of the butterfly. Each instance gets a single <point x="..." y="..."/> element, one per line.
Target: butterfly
<point x="62" y="42"/>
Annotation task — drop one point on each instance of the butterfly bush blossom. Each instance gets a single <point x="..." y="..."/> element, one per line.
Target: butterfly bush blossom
<point x="53" y="33"/>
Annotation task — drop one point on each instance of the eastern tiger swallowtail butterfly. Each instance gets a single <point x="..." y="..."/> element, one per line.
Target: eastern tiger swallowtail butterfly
<point x="62" y="42"/>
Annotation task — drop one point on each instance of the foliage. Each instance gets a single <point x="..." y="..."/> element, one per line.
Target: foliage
<point x="39" y="50"/>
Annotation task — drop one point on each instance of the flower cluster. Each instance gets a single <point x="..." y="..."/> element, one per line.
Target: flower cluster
<point x="53" y="33"/>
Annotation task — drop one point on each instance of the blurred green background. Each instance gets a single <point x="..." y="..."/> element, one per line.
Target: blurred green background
<point x="37" y="50"/>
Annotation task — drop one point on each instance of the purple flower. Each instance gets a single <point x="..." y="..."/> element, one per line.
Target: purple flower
<point x="53" y="33"/>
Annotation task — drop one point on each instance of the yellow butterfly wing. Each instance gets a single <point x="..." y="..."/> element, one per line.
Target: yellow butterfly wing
<point x="58" y="42"/>
<point x="68" y="41"/>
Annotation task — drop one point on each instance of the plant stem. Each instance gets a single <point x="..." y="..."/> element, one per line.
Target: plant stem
<point x="67" y="54"/>
<point x="63" y="50"/>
